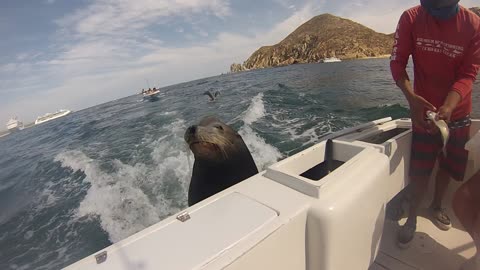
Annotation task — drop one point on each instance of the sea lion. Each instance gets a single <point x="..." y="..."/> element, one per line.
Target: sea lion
<point x="221" y="158"/>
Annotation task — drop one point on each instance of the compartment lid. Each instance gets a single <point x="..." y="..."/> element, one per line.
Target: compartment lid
<point x="204" y="235"/>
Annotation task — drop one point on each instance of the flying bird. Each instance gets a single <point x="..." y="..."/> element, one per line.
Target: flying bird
<point x="212" y="96"/>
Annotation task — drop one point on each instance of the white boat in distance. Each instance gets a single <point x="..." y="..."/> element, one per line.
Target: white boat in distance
<point x="331" y="60"/>
<point x="50" y="116"/>
<point x="323" y="208"/>
<point x="151" y="94"/>
<point x="14" y="124"/>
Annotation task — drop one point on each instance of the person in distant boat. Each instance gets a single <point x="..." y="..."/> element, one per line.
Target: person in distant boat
<point x="442" y="37"/>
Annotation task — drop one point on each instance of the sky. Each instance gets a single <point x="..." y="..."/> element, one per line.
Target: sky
<point x="64" y="54"/>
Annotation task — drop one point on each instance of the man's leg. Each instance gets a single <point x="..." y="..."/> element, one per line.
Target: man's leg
<point x="424" y="152"/>
<point x="441" y="218"/>
<point x="441" y="185"/>
<point x="451" y="166"/>
<point x="418" y="191"/>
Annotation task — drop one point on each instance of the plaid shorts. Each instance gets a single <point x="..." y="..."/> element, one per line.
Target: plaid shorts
<point x="426" y="148"/>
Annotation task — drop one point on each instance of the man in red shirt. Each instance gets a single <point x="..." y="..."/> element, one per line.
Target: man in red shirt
<point x="443" y="39"/>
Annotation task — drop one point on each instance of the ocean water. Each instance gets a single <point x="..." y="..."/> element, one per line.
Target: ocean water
<point x="73" y="186"/>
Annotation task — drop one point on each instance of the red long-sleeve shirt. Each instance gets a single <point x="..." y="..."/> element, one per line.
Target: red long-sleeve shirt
<point x="446" y="55"/>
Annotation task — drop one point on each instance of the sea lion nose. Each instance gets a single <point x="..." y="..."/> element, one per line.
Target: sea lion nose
<point x="191" y="130"/>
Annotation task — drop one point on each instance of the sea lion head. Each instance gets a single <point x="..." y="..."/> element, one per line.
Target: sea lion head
<point x="212" y="140"/>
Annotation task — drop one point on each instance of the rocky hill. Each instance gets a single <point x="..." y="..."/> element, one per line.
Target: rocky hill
<point x="323" y="36"/>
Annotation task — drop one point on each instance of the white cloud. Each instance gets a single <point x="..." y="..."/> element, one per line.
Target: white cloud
<point x="120" y="17"/>
<point x="281" y="30"/>
<point x="104" y="51"/>
<point x="103" y="66"/>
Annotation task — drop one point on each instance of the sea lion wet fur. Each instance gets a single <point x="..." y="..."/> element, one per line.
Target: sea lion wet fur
<point x="221" y="159"/>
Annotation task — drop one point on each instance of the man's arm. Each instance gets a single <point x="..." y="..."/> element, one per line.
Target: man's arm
<point x="465" y="77"/>
<point x="402" y="49"/>
<point x="406" y="86"/>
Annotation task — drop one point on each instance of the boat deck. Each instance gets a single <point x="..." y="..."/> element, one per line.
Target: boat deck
<point x="431" y="248"/>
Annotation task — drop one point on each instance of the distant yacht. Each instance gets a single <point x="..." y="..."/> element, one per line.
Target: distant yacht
<point x="14" y="124"/>
<point x="50" y="116"/>
<point x="331" y="60"/>
<point x="151" y="94"/>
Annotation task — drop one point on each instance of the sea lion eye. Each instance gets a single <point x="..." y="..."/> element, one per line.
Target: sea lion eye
<point x="219" y="127"/>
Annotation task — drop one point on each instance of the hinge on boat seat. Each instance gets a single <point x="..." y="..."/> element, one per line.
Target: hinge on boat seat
<point x="183" y="217"/>
<point x="101" y="257"/>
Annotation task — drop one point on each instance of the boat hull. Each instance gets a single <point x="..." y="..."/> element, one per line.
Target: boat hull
<point x="37" y="122"/>
<point x="330" y="221"/>
<point x="151" y="96"/>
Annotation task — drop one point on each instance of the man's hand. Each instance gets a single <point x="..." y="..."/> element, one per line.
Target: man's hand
<point x="452" y="100"/>
<point x="418" y="105"/>
<point x="444" y="113"/>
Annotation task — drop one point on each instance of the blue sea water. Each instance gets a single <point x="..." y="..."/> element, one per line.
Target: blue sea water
<point x="73" y="186"/>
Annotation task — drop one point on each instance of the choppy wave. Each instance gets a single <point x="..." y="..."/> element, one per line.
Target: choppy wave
<point x="132" y="197"/>
<point x="263" y="153"/>
<point x="255" y="111"/>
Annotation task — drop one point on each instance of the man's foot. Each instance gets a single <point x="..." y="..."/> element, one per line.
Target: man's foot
<point x="405" y="234"/>
<point x="440" y="218"/>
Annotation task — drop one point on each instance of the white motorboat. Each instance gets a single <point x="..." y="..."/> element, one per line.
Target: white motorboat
<point x="51" y="116"/>
<point x="14" y="124"/>
<point x="331" y="60"/>
<point x="322" y="208"/>
<point x="151" y="95"/>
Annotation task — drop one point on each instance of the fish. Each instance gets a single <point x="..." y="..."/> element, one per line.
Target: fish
<point x="442" y="127"/>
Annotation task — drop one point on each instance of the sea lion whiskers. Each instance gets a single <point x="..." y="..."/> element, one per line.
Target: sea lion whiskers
<point x="221" y="142"/>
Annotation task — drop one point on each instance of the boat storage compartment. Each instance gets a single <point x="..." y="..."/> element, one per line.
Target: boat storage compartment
<point x="393" y="139"/>
<point x="345" y="220"/>
<point x="345" y="223"/>
<point x="384" y="135"/>
<point x="189" y="241"/>
<point x="308" y="170"/>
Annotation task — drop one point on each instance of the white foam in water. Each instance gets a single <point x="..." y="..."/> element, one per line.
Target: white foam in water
<point x="134" y="197"/>
<point x="263" y="153"/>
<point x="255" y="111"/>
<point x="294" y="128"/>
<point x="121" y="205"/>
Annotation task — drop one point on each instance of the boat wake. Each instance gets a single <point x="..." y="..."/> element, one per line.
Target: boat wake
<point x="129" y="198"/>
<point x="263" y="153"/>
<point x="126" y="198"/>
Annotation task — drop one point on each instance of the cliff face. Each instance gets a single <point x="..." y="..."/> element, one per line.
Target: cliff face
<point x="321" y="37"/>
